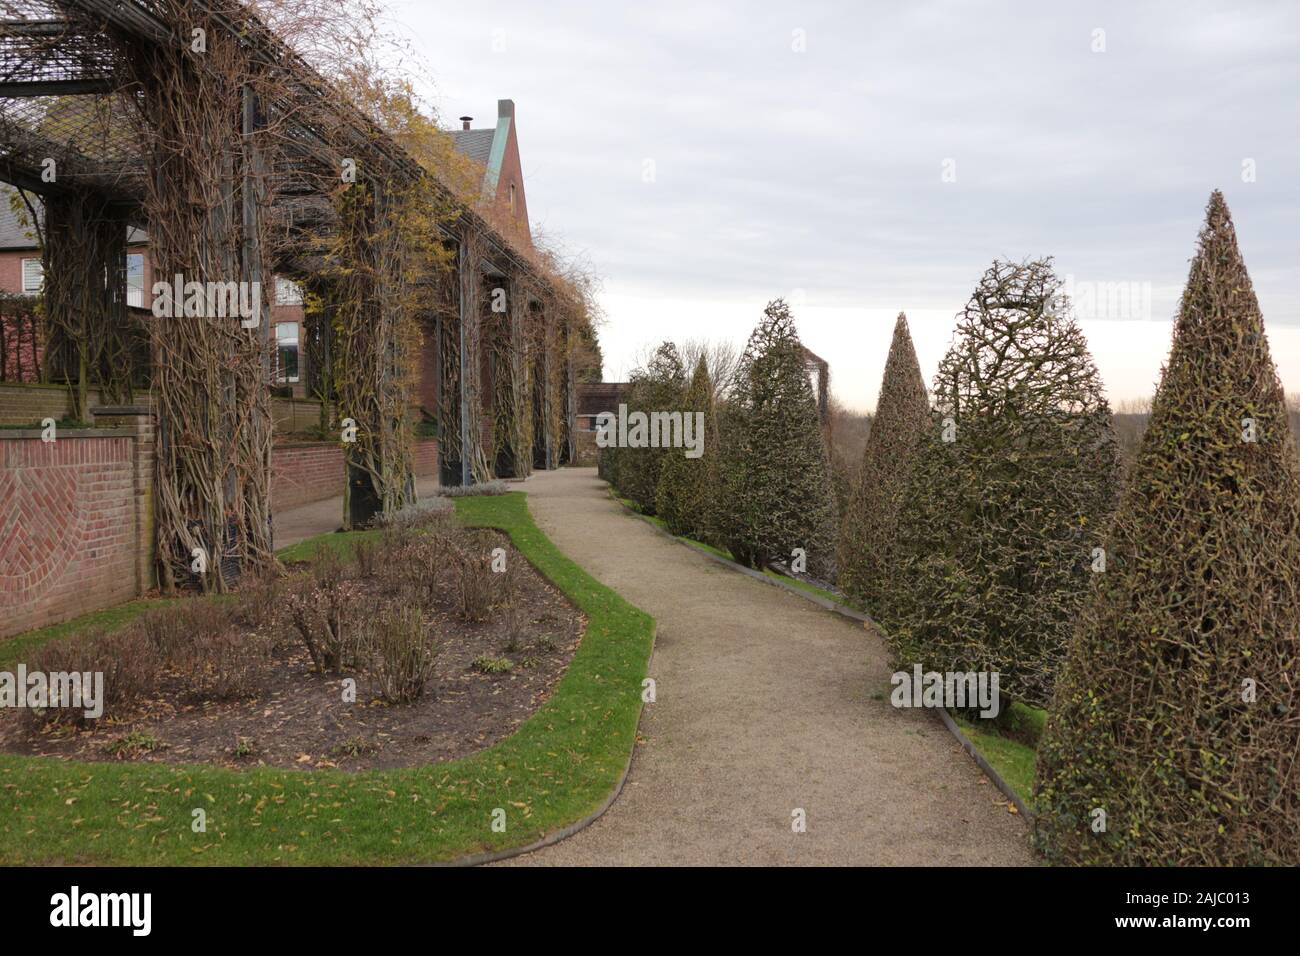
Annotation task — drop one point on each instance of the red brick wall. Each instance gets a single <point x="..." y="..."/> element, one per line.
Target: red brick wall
<point x="68" y="526"/>
<point x="426" y="386"/>
<point x="11" y="268"/>
<point x="301" y="473"/>
<point x="426" y="458"/>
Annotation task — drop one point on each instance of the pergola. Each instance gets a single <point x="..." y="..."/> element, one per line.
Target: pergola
<point x="192" y="120"/>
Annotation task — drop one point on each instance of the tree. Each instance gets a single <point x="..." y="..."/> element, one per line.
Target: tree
<point x="1176" y="711"/>
<point x="687" y="485"/>
<point x="1014" y="478"/>
<point x="658" y="387"/>
<point x="870" y="523"/>
<point x="775" y="486"/>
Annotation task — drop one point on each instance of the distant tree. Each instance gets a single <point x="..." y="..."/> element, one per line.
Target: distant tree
<point x="722" y="358"/>
<point x="1014" y="479"/>
<point x="869" y="524"/>
<point x="687" y="486"/>
<point x="775" y="487"/>
<point x="1176" y="710"/>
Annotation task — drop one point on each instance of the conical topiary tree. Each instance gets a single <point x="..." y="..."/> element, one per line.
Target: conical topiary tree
<point x="775" y="493"/>
<point x="658" y="387"/>
<point x="1014" y="478"/>
<point x="1174" y="736"/>
<point x="870" y="522"/>
<point x="687" y="485"/>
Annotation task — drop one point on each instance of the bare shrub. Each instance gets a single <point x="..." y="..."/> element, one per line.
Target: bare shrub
<point x="494" y="487"/>
<point x="400" y="655"/>
<point x="127" y="658"/>
<point x="368" y="553"/>
<point x="473" y="582"/>
<point x="325" y="617"/>
<point x="512" y="619"/>
<point x="224" y="664"/>
<point x="327" y="567"/>
<point x="259" y="603"/>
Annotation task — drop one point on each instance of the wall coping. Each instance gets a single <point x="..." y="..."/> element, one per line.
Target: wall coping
<point x="122" y="410"/>
<point x="26" y="434"/>
<point x="48" y="386"/>
<point x="276" y="446"/>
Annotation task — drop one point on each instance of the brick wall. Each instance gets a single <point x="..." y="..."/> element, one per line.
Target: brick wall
<point x="426" y="458"/>
<point x="28" y="404"/>
<point x="585" y="449"/>
<point x="304" y="472"/>
<point x="290" y="415"/>
<point x="68" y="525"/>
<point x="11" y="268"/>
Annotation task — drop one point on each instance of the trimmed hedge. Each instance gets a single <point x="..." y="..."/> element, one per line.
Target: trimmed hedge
<point x="1177" y="713"/>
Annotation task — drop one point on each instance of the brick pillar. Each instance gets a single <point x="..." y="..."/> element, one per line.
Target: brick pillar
<point x="140" y="419"/>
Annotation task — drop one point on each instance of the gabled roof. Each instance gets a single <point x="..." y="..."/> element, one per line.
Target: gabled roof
<point x="475" y="143"/>
<point x="487" y="147"/>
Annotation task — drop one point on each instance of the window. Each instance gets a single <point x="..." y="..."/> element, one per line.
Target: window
<point x="135" y="281"/>
<point x="286" y="351"/>
<point x="512" y="197"/>
<point x="33" y="275"/>
<point x="287" y="292"/>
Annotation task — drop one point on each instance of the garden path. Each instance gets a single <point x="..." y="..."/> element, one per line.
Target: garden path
<point x="766" y="705"/>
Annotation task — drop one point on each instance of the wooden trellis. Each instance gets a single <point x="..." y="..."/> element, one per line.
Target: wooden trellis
<point x="88" y="333"/>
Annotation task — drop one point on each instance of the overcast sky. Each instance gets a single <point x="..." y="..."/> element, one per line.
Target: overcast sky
<point x="862" y="159"/>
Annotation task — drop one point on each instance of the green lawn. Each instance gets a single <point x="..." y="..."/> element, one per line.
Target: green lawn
<point x="560" y="765"/>
<point x="1010" y="748"/>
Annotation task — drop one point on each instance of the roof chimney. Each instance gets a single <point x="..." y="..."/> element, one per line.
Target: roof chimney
<point x="505" y="108"/>
<point x="465" y="121"/>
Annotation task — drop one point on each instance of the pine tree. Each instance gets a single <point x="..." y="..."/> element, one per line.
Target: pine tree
<point x="688" y="485"/>
<point x="1176" y="715"/>
<point x="775" y="485"/>
<point x="1015" y="475"/>
<point x="869" y="525"/>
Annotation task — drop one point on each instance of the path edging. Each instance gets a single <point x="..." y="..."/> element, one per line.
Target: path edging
<point x="549" y="839"/>
<point x="853" y="614"/>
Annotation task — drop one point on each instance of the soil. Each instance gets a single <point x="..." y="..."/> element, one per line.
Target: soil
<point x="298" y="718"/>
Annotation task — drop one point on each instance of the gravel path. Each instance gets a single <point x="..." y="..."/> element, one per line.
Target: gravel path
<point x="764" y="707"/>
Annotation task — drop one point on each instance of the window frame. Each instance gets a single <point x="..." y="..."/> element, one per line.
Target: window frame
<point x="40" y="265"/>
